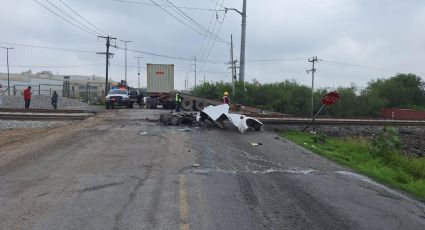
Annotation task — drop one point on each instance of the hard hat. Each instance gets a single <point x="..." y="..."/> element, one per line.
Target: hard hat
<point x="226" y="94"/>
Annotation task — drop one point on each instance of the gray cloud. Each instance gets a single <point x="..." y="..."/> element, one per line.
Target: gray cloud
<point x="373" y="33"/>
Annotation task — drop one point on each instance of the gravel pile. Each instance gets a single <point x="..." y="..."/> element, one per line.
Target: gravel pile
<point x="42" y="102"/>
<point x="12" y="124"/>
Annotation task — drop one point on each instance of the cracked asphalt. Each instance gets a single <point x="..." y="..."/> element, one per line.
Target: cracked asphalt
<point x="119" y="171"/>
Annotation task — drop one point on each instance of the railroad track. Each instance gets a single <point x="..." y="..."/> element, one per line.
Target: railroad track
<point x="337" y="121"/>
<point x="12" y="110"/>
<point x="43" y="116"/>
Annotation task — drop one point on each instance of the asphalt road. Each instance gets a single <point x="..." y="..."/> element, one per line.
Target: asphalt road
<point x="118" y="171"/>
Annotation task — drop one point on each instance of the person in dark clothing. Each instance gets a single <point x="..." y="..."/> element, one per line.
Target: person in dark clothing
<point x="27" y="97"/>
<point x="178" y="101"/>
<point x="140" y="99"/>
<point x="55" y="100"/>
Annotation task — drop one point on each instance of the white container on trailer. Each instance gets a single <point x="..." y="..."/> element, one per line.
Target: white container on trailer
<point x="160" y="78"/>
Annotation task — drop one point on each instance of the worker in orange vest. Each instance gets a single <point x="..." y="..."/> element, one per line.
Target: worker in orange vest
<point x="226" y="99"/>
<point x="27" y="97"/>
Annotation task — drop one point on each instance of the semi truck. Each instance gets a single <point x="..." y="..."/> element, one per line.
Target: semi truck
<point x="160" y="91"/>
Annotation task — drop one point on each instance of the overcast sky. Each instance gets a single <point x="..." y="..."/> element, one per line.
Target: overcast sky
<point x="347" y="35"/>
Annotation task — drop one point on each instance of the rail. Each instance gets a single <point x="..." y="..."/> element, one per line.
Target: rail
<point x="43" y="116"/>
<point x="337" y="121"/>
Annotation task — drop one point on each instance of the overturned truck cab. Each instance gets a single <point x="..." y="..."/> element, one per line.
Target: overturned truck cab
<point x="218" y="114"/>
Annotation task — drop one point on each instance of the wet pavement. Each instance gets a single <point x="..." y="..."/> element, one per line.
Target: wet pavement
<point x="119" y="171"/>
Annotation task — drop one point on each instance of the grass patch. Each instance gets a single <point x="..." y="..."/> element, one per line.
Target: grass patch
<point x="392" y="168"/>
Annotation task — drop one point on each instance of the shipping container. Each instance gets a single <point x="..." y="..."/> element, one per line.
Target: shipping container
<point x="160" y="78"/>
<point x="402" y="114"/>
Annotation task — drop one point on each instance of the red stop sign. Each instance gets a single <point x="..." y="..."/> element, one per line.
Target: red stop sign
<point x="330" y="98"/>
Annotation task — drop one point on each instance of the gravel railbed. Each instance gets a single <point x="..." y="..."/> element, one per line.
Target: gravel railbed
<point x="42" y="102"/>
<point x="15" y="124"/>
<point x="412" y="137"/>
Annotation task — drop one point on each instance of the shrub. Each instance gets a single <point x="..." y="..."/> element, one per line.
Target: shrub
<point x="386" y="142"/>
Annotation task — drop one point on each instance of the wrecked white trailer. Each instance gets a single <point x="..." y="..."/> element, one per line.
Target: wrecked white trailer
<point x="220" y="113"/>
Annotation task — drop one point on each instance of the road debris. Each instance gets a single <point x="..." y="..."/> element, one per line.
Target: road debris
<point x="215" y="114"/>
<point x="218" y="114"/>
<point x="178" y="118"/>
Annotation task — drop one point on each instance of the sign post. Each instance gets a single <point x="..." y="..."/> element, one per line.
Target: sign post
<point x="327" y="100"/>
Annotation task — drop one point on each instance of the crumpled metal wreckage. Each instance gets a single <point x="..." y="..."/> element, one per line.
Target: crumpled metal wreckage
<point x="219" y="113"/>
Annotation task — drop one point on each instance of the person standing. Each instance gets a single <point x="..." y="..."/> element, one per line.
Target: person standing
<point x="27" y="97"/>
<point x="140" y="98"/>
<point x="178" y="101"/>
<point x="55" y="100"/>
<point x="226" y="99"/>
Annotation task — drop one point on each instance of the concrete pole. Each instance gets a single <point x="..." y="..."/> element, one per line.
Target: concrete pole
<point x="125" y="42"/>
<point x="195" y="72"/>
<point x="232" y="66"/>
<point x="312" y="70"/>
<point x="8" y="77"/>
<point x="187" y="81"/>
<point x="243" y="37"/>
<point x="138" y="72"/>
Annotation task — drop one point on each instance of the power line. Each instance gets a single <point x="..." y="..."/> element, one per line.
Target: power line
<point x="79" y="15"/>
<point x="72" y="18"/>
<point x="70" y="22"/>
<point x="209" y="40"/>
<point x="184" y="23"/>
<point x="368" y="66"/>
<point x="48" y="47"/>
<point x="212" y="46"/>
<point x="277" y="59"/>
<point x="180" y="7"/>
<point x="69" y="66"/>
<point x="94" y="52"/>
<point x="171" y="57"/>
<point x="205" y="38"/>
<point x="194" y="22"/>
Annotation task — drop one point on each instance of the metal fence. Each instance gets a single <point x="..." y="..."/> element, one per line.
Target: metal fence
<point x="90" y="92"/>
<point x="40" y="89"/>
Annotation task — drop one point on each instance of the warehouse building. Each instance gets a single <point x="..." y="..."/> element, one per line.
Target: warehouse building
<point x="85" y="88"/>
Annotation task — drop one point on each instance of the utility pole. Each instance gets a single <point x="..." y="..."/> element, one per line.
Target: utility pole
<point x="312" y="70"/>
<point x="125" y="42"/>
<point x="187" y="81"/>
<point x="107" y="54"/>
<point x="243" y="39"/>
<point x="138" y="72"/>
<point x="232" y="65"/>
<point x="195" y="71"/>
<point x="8" y="77"/>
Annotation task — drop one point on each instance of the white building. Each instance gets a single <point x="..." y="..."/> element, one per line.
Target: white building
<point x="44" y="83"/>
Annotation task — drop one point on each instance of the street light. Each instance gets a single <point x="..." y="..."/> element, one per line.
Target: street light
<point x="125" y="60"/>
<point x="7" y="58"/>
<point x="138" y="72"/>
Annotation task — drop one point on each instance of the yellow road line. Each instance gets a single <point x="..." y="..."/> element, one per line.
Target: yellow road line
<point x="184" y="205"/>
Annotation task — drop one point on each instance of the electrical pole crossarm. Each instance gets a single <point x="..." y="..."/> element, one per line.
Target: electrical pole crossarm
<point x="227" y="9"/>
